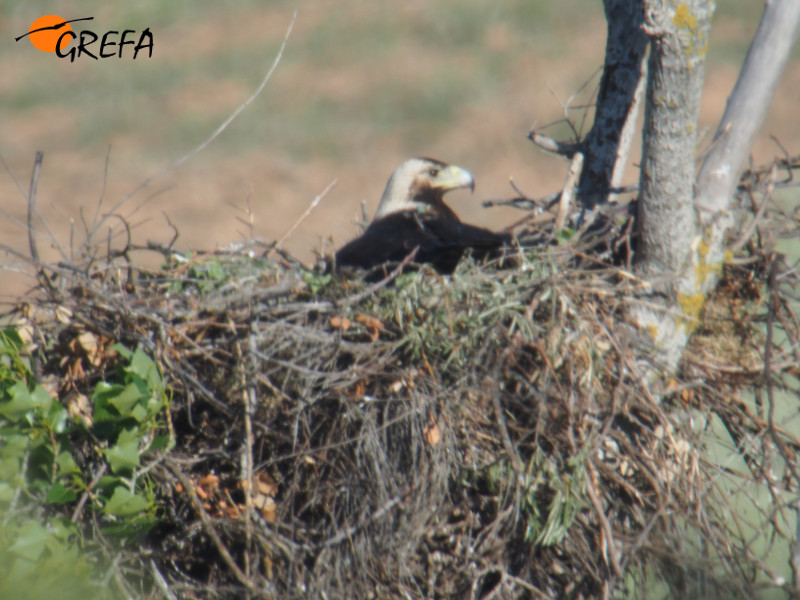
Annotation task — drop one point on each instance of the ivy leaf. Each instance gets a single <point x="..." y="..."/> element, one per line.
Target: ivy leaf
<point x="101" y="398"/>
<point x="59" y="494"/>
<point x="143" y="366"/>
<point x="126" y="399"/>
<point x="123" y="503"/>
<point x="56" y="415"/>
<point x="122" y="351"/>
<point x="20" y="404"/>
<point x="124" y="455"/>
<point x="66" y="464"/>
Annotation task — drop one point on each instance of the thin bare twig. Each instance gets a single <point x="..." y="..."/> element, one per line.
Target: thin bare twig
<point x="37" y="167"/>
<point x="222" y="127"/>
<point x="314" y="203"/>
<point x="82" y="502"/>
<point x="568" y="193"/>
<point x="552" y="146"/>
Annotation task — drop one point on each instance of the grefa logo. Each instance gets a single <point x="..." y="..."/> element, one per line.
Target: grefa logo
<point x="51" y="33"/>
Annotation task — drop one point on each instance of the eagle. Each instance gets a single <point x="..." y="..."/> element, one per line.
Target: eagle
<point x="412" y="216"/>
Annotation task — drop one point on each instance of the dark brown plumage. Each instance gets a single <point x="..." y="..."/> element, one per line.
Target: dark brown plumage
<point x="412" y="214"/>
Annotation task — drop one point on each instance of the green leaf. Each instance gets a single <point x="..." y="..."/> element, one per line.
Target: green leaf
<point x="130" y="528"/>
<point x="66" y="464"/>
<point x="122" y="351"/>
<point x="103" y="409"/>
<point x="124" y="455"/>
<point x="56" y="416"/>
<point x="565" y="235"/>
<point x="41" y="398"/>
<point x="123" y="503"/>
<point x="139" y="413"/>
<point x="215" y="270"/>
<point x="126" y="399"/>
<point x="59" y="494"/>
<point x="160" y="442"/>
<point x="20" y="404"/>
<point x="143" y="366"/>
<point x="10" y="341"/>
<point x="30" y="541"/>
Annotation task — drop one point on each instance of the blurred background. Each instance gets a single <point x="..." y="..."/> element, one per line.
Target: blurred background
<point x="361" y="87"/>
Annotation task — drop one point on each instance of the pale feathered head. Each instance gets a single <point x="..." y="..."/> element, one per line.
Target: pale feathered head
<point x="419" y="184"/>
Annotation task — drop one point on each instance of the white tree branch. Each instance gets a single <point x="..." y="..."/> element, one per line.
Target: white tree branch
<point x="747" y="107"/>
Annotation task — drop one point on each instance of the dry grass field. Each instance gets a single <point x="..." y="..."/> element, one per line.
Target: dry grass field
<point x="361" y="87"/>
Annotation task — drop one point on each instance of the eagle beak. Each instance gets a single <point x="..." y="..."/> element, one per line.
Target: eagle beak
<point x="454" y="178"/>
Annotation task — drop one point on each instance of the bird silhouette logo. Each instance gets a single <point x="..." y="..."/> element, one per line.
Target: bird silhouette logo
<point x="46" y="32"/>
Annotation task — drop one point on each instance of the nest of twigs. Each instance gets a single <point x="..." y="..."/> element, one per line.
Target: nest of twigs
<point x="487" y="435"/>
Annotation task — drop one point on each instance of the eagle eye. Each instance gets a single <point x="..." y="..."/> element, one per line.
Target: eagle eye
<point x="433" y="171"/>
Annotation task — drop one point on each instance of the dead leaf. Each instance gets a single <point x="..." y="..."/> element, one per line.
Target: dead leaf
<point x="25" y="330"/>
<point x="206" y="486"/>
<point x="78" y="407"/>
<point x="266" y="484"/>
<point x="90" y="344"/>
<point x="340" y="323"/>
<point x="209" y="481"/>
<point x="356" y="393"/>
<point x="373" y="325"/>
<point x="433" y="435"/>
<point x="268" y="509"/>
<point x="63" y="314"/>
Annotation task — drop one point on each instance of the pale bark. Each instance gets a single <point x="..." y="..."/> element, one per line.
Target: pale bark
<point x="746" y="109"/>
<point x="666" y="217"/>
<point x="679" y="254"/>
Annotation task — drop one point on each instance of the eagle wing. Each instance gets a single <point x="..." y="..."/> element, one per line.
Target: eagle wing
<point x="440" y="241"/>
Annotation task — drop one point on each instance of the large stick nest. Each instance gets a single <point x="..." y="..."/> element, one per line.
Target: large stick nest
<point x="488" y="435"/>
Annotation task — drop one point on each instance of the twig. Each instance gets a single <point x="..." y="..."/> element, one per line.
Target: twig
<point x="87" y="231"/>
<point x="568" y="193"/>
<point x="161" y="583"/>
<point x="523" y="202"/>
<point x="610" y="546"/>
<point x="788" y="456"/>
<point x="211" y="137"/>
<point x="208" y="526"/>
<point x="795" y="547"/>
<point x="307" y="212"/>
<point x="250" y="398"/>
<point x="37" y="167"/>
<point x="508" y="446"/>
<point x="95" y="480"/>
<point x="380" y="512"/>
<point x="552" y="146"/>
<point x="759" y="214"/>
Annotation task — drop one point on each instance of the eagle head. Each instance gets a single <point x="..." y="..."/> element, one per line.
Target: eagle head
<point x="419" y="184"/>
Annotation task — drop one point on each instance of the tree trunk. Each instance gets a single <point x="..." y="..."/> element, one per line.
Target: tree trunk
<point x="679" y="255"/>
<point x="607" y="144"/>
